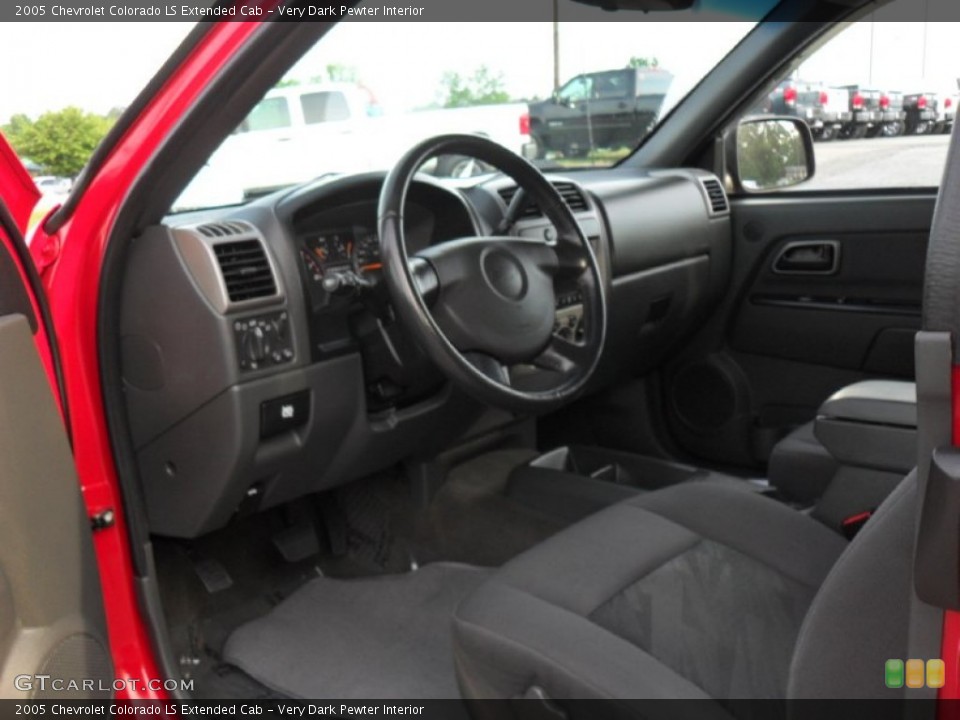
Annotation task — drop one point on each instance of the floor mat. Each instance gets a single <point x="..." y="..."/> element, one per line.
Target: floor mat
<point x="472" y="520"/>
<point x="382" y="637"/>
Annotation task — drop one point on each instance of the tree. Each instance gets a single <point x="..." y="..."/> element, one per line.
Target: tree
<point x="638" y="63"/>
<point x="483" y="87"/>
<point x="18" y="125"/>
<point x="61" y="142"/>
<point x="770" y="154"/>
<point x="342" y="73"/>
<point x="334" y="72"/>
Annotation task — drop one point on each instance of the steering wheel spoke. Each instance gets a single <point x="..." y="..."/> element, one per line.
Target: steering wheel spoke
<point x="572" y="259"/>
<point x="490" y="367"/>
<point x="562" y="356"/>
<point x="425" y="279"/>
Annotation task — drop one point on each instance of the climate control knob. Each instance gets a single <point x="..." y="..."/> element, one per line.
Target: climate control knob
<point x="263" y="341"/>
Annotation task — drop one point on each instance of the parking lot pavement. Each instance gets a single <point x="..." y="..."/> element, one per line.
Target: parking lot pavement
<point x="915" y="161"/>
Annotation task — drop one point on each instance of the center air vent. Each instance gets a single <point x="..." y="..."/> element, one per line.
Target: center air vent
<point x="716" y="196"/>
<point x="246" y="270"/>
<point x="571" y="194"/>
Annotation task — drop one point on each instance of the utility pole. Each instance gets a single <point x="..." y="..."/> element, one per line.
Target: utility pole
<point x="556" y="45"/>
<point x="926" y="25"/>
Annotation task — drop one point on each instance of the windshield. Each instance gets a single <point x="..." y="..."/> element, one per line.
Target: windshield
<point x="565" y="95"/>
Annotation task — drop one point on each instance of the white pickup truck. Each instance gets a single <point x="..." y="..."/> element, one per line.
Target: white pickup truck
<point x="301" y="132"/>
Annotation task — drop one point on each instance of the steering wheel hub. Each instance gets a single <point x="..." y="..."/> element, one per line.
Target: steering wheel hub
<point x="504" y="273"/>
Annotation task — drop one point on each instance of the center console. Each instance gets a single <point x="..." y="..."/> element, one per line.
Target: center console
<point x="841" y="466"/>
<point x="862" y="443"/>
<point x="572" y="482"/>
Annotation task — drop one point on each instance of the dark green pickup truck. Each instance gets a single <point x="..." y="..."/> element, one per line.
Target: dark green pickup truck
<point x="606" y="109"/>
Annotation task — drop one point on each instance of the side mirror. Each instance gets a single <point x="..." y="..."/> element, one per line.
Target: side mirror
<point x="770" y="153"/>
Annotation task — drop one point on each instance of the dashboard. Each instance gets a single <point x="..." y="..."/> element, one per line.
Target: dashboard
<point x="262" y="359"/>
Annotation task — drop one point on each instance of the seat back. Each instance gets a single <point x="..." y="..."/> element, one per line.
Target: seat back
<point x="869" y="610"/>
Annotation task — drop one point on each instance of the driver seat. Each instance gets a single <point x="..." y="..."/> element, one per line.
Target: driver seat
<point x="707" y="591"/>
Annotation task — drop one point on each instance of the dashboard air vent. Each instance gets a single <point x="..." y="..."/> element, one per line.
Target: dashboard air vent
<point x="716" y="196"/>
<point x="222" y="229"/>
<point x="529" y="211"/>
<point x="246" y="270"/>
<point x="571" y="194"/>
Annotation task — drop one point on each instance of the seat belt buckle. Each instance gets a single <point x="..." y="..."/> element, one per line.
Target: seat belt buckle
<point x="850" y="526"/>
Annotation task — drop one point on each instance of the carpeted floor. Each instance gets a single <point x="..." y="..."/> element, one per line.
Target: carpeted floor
<point x="380" y="637"/>
<point x="386" y="534"/>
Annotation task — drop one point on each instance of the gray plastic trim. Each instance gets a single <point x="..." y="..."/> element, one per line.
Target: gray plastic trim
<point x="50" y="599"/>
<point x="198" y="253"/>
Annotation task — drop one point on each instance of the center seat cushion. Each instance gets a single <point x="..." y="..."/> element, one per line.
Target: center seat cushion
<point x="672" y="594"/>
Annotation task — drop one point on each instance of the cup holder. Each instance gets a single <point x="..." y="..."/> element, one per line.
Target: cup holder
<point x="617" y="467"/>
<point x="572" y="482"/>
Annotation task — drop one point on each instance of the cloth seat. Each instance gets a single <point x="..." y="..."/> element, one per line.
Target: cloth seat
<point x="695" y="591"/>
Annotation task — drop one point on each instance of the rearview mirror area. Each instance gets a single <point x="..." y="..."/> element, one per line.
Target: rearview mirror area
<point x="641" y="5"/>
<point x="770" y="153"/>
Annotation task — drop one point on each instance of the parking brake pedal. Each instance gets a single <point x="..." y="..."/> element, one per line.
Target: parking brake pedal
<point x="212" y="574"/>
<point x="297" y="543"/>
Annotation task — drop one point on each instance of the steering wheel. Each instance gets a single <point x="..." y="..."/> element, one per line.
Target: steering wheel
<point x="479" y="305"/>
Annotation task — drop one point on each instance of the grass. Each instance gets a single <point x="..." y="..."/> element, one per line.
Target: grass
<point x="597" y="157"/>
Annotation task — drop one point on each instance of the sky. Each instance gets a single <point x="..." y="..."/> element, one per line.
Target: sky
<point x="95" y="66"/>
<point x="98" y="66"/>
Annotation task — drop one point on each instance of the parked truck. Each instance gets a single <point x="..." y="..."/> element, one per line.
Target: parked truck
<point x="866" y="114"/>
<point x="946" y="111"/>
<point x="823" y="108"/>
<point x="922" y="109"/>
<point x="892" y="115"/>
<point x="606" y="109"/>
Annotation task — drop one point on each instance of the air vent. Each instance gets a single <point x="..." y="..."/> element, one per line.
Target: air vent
<point x="530" y="210"/>
<point x="716" y="196"/>
<point x="222" y="229"/>
<point x="571" y="194"/>
<point x="246" y="270"/>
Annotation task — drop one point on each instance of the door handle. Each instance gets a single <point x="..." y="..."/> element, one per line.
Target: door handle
<point x="808" y="257"/>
